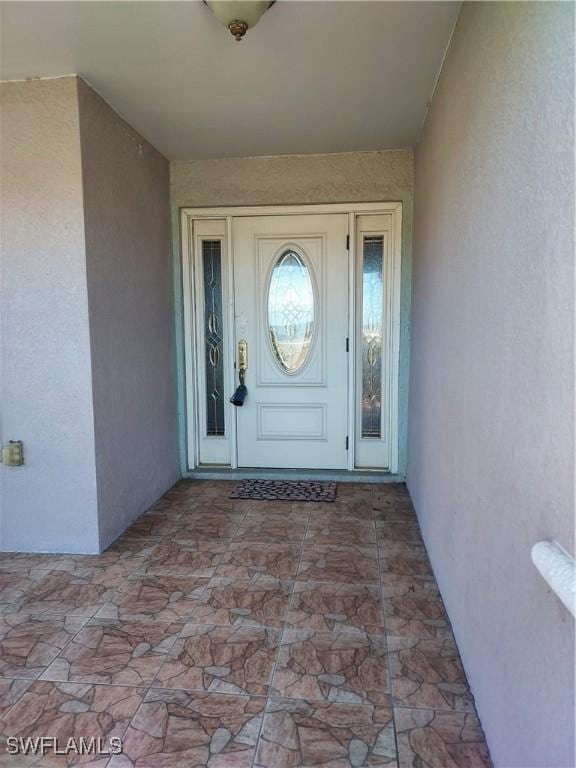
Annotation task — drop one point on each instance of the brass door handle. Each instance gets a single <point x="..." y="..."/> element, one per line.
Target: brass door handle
<point x="239" y="396"/>
<point x="242" y="359"/>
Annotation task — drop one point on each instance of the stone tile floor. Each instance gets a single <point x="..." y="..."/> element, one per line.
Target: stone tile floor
<point x="236" y="633"/>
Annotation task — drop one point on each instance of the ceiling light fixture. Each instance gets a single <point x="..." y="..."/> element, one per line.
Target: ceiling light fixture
<point x="238" y="15"/>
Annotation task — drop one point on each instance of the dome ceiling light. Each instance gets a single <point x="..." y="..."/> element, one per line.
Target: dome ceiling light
<point x="238" y="15"/>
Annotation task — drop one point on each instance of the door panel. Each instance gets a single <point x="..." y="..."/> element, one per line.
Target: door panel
<point x="291" y="307"/>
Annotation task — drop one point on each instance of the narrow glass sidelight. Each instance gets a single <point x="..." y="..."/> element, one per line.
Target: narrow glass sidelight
<point x="291" y="312"/>
<point x="213" y="334"/>
<point x="372" y="331"/>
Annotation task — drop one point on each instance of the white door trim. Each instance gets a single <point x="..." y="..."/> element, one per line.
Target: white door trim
<point x="227" y="213"/>
<point x="297" y="210"/>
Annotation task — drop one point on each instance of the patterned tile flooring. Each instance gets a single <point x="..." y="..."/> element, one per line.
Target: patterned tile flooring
<point x="235" y="633"/>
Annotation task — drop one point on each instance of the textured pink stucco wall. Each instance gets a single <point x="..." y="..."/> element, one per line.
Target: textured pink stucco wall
<point x="491" y="418"/>
<point x="86" y="315"/>
<point x="130" y="298"/>
<point x="49" y="504"/>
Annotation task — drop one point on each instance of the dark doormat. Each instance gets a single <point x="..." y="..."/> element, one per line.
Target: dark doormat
<point x="284" y="490"/>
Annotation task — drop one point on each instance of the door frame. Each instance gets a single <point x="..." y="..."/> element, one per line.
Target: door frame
<point x="191" y="321"/>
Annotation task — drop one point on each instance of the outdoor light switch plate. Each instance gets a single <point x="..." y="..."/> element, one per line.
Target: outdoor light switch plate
<point x="13" y="453"/>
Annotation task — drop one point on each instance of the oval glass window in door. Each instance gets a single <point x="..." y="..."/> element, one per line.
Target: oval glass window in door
<point x="291" y="311"/>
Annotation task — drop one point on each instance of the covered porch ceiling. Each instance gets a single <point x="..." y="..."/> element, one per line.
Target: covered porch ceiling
<point x="311" y="77"/>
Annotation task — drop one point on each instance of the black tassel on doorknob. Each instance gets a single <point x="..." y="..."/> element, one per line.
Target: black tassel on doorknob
<point x="239" y="396"/>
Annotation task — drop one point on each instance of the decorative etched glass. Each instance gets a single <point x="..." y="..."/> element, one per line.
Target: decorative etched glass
<point x="291" y="311"/>
<point x="372" y="318"/>
<point x="213" y="335"/>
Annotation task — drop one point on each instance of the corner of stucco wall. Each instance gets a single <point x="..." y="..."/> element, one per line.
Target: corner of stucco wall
<point x="50" y="503"/>
<point x="130" y="299"/>
<point x="81" y="88"/>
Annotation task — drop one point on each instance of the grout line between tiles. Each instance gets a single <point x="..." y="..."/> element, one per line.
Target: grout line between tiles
<point x="386" y="636"/>
<point x="273" y="671"/>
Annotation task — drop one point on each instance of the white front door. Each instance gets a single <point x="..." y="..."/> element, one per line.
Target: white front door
<point x="291" y="309"/>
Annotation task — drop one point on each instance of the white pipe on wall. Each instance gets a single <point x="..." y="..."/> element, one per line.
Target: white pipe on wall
<point x="558" y="569"/>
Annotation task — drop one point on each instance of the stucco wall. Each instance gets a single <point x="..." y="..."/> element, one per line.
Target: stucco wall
<point x="49" y="504"/>
<point x="86" y="320"/>
<point x="491" y="455"/>
<point x="130" y="291"/>
<point x="350" y="177"/>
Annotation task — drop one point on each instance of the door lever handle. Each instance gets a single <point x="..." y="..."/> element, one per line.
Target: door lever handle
<point x="239" y="395"/>
<point x="242" y="359"/>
